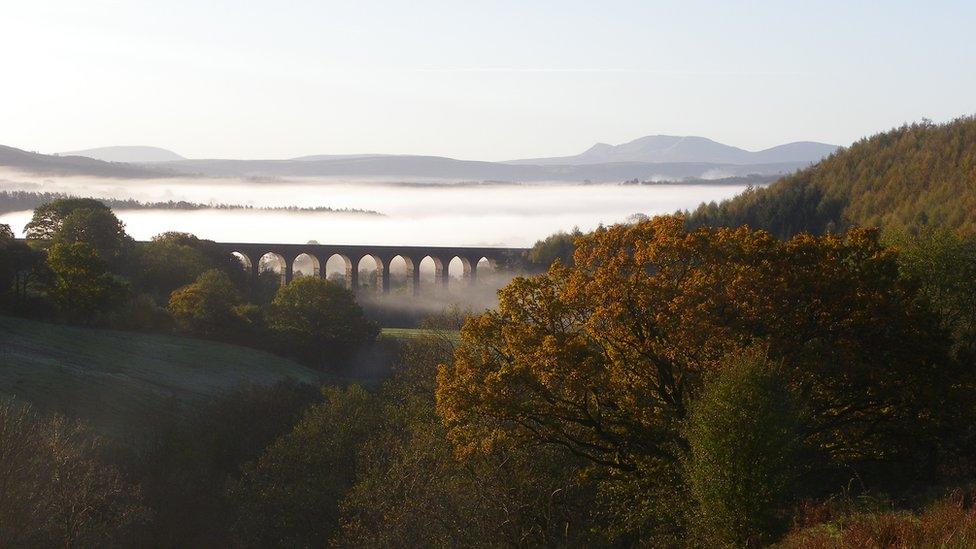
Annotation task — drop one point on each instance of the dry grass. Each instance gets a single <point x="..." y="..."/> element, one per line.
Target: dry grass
<point x="949" y="523"/>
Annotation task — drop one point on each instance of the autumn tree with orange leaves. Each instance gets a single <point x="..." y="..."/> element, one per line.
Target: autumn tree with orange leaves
<point x="604" y="359"/>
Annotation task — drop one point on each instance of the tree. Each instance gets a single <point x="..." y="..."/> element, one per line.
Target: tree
<point x="413" y="490"/>
<point x="555" y="246"/>
<point x="193" y="455"/>
<point x="56" y="489"/>
<point x="83" y="288"/>
<point x="603" y="359"/>
<point x="48" y="219"/>
<point x="99" y="228"/>
<point x="744" y="435"/>
<point x="172" y="260"/>
<point x="290" y="496"/>
<point x="318" y="320"/>
<point x="944" y="265"/>
<point x="207" y="307"/>
<point x="18" y="263"/>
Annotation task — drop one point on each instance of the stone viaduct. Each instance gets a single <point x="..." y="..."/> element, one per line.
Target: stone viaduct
<point x="285" y="256"/>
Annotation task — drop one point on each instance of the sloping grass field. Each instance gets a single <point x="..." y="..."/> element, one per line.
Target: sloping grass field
<point x="417" y="333"/>
<point x="115" y="380"/>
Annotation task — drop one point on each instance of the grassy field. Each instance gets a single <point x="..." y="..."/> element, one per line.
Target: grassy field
<point x="413" y="333"/>
<point x="115" y="380"/>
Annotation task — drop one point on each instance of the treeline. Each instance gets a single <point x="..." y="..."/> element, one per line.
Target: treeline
<point x="668" y="388"/>
<point x="15" y="201"/>
<point x="751" y="179"/>
<point x="915" y="177"/>
<point x="78" y="265"/>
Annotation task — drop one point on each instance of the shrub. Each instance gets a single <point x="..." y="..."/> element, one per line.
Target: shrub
<point x="56" y="489"/>
<point x="290" y="496"/>
<point x="744" y="435"/>
<point x="190" y="458"/>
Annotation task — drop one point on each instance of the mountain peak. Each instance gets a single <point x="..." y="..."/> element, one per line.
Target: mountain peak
<point x="688" y="148"/>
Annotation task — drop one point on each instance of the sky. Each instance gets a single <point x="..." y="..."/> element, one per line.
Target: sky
<point x="476" y="80"/>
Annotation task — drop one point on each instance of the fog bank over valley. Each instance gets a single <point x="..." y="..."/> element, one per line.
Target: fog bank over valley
<point x="497" y="214"/>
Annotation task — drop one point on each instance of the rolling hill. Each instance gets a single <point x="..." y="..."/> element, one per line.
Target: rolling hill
<point x="913" y="177"/>
<point x="657" y="157"/>
<point x="130" y="154"/>
<point x="46" y="164"/>
<point x="436" y="168"/>
<point x="116" y="379"/>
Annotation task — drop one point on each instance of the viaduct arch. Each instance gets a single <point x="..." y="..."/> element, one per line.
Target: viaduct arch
<point x="285" y="255"/>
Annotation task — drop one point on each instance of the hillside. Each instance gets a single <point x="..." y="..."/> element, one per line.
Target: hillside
<point x="676" y="148"/>
<point x="71" y="165"/>
<point x="915" y="176"/>
<point x="117" y="379"/>
<point x="134" y="154"/>
<point x="435" y="168"/>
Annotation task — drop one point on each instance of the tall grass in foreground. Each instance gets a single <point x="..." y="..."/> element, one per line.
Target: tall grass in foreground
<point x="949" y="523"/>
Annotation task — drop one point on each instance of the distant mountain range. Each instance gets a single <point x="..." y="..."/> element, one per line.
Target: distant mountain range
<point x="673" y="148"/>
<point x="648" y="158"/>
<point x="130" y="154"/>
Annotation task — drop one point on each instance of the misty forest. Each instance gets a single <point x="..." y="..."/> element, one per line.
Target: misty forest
<point x="491" y="315"/>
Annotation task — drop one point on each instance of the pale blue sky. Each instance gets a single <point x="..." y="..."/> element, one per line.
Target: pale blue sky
<point x="486" y="80"/>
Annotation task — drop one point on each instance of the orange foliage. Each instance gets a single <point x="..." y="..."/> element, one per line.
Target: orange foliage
<point x="604" y="358"/>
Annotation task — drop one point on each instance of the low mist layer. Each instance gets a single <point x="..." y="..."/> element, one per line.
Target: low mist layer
<point x="415" y="214"/>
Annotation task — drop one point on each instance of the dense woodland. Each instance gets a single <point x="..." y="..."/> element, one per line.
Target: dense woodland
<point x="665" y="382"/>
<point x="914" y="177"/>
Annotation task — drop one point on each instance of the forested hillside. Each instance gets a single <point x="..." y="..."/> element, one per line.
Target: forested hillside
<point x="913" y="177"/>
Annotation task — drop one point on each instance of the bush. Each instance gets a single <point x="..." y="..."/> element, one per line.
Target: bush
<point x="190" y="458"/>
<point x="412" y="490"/>
<point x="57" y="491"/>
<point x="290" y="496"/>
<point x="141" y="313"/>
<point x="744" y="434"/>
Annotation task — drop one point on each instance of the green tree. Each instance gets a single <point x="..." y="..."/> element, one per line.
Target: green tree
<point x="208" y="306"/>
<point x="318" y="320"/>
<point x="745" y="436"/>
<point x="99" y="229"/>
<point x="555" y="246"/>
<point x="18" y="265"/>
<point x="48" y="219"/>
<point x="290" y="496"/>
<point x="83" y="288"/>
<point x="944" y="265"/>
<point x="172" y="260"/>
